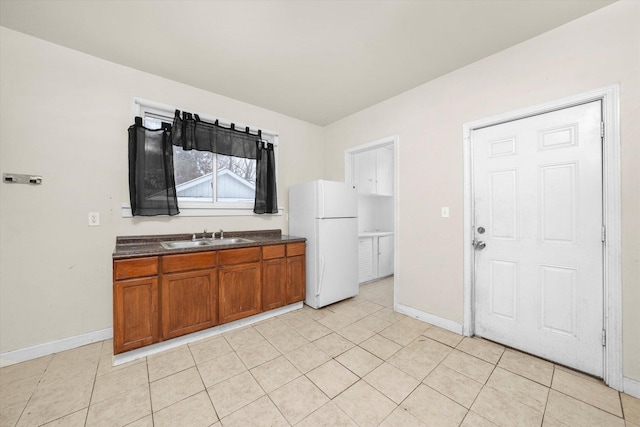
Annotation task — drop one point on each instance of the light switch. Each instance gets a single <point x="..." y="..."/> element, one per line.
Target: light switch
<point x="445" y="212"/>
<point x="94" y="219"/>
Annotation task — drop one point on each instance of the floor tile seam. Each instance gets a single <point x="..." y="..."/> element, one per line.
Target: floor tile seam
<point x="546" y="400"/>
<point x="513" y="400"/>
<point x="545" y="416"/>
<point x="587" y="403"/>
<point x="488" y="376"/>
<point x="29" y="399"/>
<point x="169" y="375"/>
<point x="121" y="367"/>
<point x="575" y="373"/>
<point x="505" y="368"/>
<point x="383" y="393"/>
<point x="206" y="391"/>
<point x="441" y="394"/>
<point x="265" y="391"/>
<point x="239" y="409"/>
<point x="477" y="415"/>
<point x="277" y="408"/>
<point x="548" y="387"/>
<point x="599" y="382"/>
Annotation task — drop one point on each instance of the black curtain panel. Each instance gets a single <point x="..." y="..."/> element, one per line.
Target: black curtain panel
<point x="152" y="188"/>
<point x="266" y="195"/>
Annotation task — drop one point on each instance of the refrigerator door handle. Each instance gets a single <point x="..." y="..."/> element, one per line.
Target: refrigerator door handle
<point x="319" y="289"/>
<point x="322" y="207"/>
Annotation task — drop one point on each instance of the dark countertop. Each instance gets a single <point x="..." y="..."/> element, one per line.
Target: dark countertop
<point x="137" y="246"/>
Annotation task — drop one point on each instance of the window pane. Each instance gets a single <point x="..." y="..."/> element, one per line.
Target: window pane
<point x="236" y="179"/>
<point x="194" y="174"/>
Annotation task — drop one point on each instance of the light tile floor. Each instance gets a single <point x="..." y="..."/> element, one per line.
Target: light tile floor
<point x="355" y="363"/>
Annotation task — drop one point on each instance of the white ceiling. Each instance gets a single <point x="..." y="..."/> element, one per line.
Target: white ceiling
<point x="318" y="61"/>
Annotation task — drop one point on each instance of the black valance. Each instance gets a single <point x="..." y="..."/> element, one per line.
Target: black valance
<point x="152" y="188"/>
<point x="191" y="133"/>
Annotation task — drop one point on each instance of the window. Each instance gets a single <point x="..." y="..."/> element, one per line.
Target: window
<point x="208" y="183"/>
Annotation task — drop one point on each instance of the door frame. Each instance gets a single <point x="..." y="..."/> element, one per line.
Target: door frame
<point x="612" y="269"/>
<point x="393" y="140"/>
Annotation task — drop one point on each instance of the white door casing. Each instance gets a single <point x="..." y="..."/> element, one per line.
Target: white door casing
<point x="612" y="298"/>
<point x="538" y="195"/>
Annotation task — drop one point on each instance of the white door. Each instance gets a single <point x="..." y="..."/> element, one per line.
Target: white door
<point x="537" y="186"/>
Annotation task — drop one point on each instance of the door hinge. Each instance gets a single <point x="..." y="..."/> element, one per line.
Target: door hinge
<point x="603" y="234"/>
<point x="604" y="337"/>
<point x="601" y="129"/>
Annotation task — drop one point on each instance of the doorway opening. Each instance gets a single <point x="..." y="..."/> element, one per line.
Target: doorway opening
<point x="372" y="169"/>
<point x="611" y="220"/>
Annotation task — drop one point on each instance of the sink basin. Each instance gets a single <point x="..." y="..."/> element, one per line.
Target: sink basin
<point x="184" y="244"/>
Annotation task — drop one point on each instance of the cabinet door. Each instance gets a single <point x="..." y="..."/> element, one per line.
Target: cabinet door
<point x="189" y="302"/>
<point x="274" y="283"/>
<point x="385" y="255"/>
<point x="365" y="259"/>
<point x="296" y="279"/>
<point x="384" y="171"/>
<point x="240" y="291"/>
<point x="135" y="314"/>
<point x="365" y="170"/>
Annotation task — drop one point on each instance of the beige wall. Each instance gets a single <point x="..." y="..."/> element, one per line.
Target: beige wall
<point x="595" y="51"/>
<point x="64" y="115"/>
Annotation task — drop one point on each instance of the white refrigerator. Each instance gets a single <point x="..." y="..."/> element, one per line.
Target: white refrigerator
<point x="326" y="213"/>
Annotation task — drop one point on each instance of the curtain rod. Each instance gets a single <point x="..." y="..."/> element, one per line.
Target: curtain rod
<point x="141" y="102"/>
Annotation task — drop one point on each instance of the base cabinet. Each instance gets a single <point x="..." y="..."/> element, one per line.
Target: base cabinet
<point x="375" y="257"/>
<point x="135" y="315"/>
<point x="274" y="283"/>
<point x="189" y="302"/>
<point x="240" y="292"/>
<point x="163" y="297"/>
<point x="296" y="280"/>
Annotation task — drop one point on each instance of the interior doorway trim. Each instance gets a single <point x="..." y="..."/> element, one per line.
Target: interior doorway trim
<point x="612" y="268"/>
<point x="393" y="140"/>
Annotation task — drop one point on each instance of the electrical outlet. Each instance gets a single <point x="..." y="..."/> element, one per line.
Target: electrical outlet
<point x="445" y="212"/>
<point x="94" y="219"/>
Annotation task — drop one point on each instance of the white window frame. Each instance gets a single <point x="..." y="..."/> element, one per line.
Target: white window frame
<point x="203" y="208"/>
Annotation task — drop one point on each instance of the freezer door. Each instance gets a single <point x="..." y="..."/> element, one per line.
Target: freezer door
<point x="337" y="260"/>
<point x="336" y="200"/>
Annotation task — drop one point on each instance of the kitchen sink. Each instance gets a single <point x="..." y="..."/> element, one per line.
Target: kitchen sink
<point x="184" y="244"/>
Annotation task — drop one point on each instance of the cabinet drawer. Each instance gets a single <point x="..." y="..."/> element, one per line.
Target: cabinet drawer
<point x="187" y="262"/>
<point x="273" y="251"/>
<point x="239" y="256"/>
<point x="137" y="267"/>
<point x="294" y="249"/>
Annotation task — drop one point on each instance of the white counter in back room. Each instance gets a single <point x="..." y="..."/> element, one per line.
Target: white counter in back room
<point x="375" y="255"/>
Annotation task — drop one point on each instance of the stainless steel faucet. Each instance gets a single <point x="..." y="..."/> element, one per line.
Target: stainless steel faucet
<point x="204" y="234"/>
<point x="221" y="233"/>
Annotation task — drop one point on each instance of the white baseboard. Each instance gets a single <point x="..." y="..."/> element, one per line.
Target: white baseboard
<point x="443" y="323"/>
<point x="196" y="336"/>
<point x="631" y="387"/>
<point x="24" y="354"/>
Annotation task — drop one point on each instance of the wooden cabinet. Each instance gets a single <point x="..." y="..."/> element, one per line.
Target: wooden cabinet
<point x="163" y="297"/>
<point x="240" y="283"/>
<point x="135" y="303"/>
<point x="296" y="275"/>
<point x="274" y="277"/>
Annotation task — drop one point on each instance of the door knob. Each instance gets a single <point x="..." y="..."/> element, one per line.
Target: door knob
<point x="479" y="244"/>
